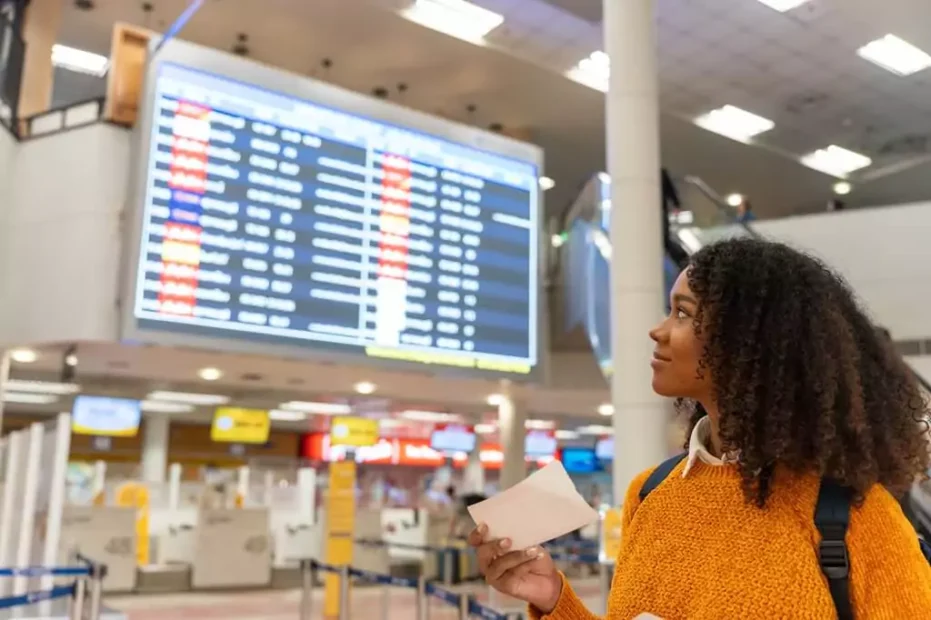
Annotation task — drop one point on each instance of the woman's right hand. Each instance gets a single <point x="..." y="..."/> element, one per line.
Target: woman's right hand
<point x="528" y="575"/>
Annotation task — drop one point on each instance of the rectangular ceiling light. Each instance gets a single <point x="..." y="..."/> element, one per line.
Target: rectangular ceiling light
<point x="734" y="123"/>
<point x="593" y="71"/>
<point x="189" y="398"/>
<point x="539" y="425"/>
<point x="895" y="55"/>
<point x="566" y="434"/>
<point x="155" y="406"/>
<point x="316" y="408"/>
<point x="457" y="18"/>
<point x="74" y="59"/>
<point x="836" y="161"/>
<point x="783" y="5"/>
<point x="430" y="416"/>
<point x="280" y="415"/>
<point x="29" y="399"/>
<point x="42" y="387"/>
<point x="595" y="429"/>
<point x="485" y="429"/>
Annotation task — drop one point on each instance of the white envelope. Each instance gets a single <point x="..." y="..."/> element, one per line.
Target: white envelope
<point x="541" y="507"/>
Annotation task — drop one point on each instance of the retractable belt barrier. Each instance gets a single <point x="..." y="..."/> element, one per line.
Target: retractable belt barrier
<point x="89" y="573"/>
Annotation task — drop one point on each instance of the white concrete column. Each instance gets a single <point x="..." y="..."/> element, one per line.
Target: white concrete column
<point x="632" y="112"/>
<point x="155" y="448"/>
<point x="511" y="420"/>
<point x="473" y="478"/>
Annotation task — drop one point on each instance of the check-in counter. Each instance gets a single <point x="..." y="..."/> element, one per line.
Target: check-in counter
<point x="106" y="534"/>
<point x="232" y="548"/>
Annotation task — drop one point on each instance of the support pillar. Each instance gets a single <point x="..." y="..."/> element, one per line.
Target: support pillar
<point x="632" y="113"/>
<point x="473" y="478"/>
<point x="41" y="25"/>
<point x="155" y="448"/>
<point x="511" y="420"/>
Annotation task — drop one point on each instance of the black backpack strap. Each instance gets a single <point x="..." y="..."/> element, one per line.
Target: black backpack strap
<point x="659" y="474"/>
<point x="832" y="516"/>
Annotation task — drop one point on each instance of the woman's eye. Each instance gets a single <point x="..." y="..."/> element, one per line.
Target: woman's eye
<point x="681" y="314"/>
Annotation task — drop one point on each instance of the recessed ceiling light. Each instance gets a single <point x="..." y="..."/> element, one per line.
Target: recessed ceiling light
<point x="835" y="160"/>
<point x="155" y="406"/>
<point x="606" y="409"/>
<point x="593" y="71"/>
<point x="734" y="200"/>
<point x="895" y="55"/>
<point x="42" y="387"/>
<point x="557" y="241"/>
<point x="494" y="399"/>
<point x="783" y="5"/>
<point x="209" y="373"/>
<point x="286" y="416"/>
<point x="842" y="188"/>
<point x="546" y="183"/>
<point x="485" y="429"/>
<point x="23" y="356"/>
<point x="29" y="399"/>
<point x="734" y="123"/>
<point x="457" y="18"/>
<point x="190" y="398"/>
<point x="81" y="61"/>
<point x="365" y="387"/>
<point x="430" y="416"/>
<point x="316" y="408"/>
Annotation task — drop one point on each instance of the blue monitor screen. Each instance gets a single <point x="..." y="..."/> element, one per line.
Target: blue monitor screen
<point x="604" y="449"/>
<point x="580" y="460"/>
<point x="278" y="220"/>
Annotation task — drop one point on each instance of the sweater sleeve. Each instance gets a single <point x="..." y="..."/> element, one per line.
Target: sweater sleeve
<point x="570" y="606"/>
<point x="889" y="576"/>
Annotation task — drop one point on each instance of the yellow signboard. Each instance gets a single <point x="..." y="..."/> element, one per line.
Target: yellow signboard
<point x="353" y="432"/>
<point x="236" y="425"/>
<point x="136" y="495"/>
<point x="611" y="526"/>
<point x="340" y="528"/>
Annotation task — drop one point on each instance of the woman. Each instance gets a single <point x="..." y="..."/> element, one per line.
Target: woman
<point x="787" y="383"/>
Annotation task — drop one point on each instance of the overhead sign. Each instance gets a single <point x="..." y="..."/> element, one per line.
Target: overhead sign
<point x="102" y="415"/>
<point x="237" y="425"/>
<point x="353" y="432"/>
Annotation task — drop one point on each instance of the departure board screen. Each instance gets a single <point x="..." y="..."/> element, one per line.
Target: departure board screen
<point x="274" y="219"/>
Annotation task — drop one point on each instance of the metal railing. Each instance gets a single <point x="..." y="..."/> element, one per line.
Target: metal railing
<point x="85" y="592"/>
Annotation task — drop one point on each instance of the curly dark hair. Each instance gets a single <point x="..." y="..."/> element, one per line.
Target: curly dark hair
<point x="802" y="378"/>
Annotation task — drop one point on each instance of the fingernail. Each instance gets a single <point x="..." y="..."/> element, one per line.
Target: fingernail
<point x="506" y="543"/>
<point x="533" y="552"/>
<point x="482" y="528"/>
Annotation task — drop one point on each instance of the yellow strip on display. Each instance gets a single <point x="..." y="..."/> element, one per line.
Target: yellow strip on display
<point x="340" y="529"/>
<point x="353" y="432"/>
<point x="136" y="495"/>
<point x="237" y="425"/>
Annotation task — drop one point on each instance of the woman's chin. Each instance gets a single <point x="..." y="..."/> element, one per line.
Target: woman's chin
<point x="663" y="388"/>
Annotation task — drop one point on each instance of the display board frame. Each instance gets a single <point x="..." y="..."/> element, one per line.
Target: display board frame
<point x="278" y="81"/>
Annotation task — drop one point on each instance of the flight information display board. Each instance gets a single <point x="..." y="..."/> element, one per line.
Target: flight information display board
<point x="274" y="219"/>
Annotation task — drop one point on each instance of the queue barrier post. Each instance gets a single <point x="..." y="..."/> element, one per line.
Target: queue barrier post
<point x="77" y="600"/>
<point x="423" y="612"/>
<point x="98" y="573"/>
<point x="308" y="581"/>
<point x="385" y="601"/>
<point x="464" y="601"/>
<point x="604" y="583"/>
<point x="448" y="557"/>
<point x="344" y="592"/>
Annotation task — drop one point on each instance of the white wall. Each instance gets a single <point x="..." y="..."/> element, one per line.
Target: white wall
<point x="60" y="239"/>
<point x="885" y="254"/>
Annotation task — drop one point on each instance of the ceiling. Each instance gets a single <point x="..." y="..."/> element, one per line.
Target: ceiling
<point x="798" y="69"/>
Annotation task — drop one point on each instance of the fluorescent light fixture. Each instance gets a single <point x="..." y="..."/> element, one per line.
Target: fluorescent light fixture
<point x="593" y="71"/>
<point x="734" y="200"/>
<point x="842" y="188"/>
<point x="29" y="399"/>
<point x="42" y="387"/>
<point x="429" y="416"/>
<point x="316" y="408"/>
<point x="836" y="161"/>
<point x="895" y="55"/>
<point x="485" y="429"/>
<point x="189" y="398"/>
<point x="606" y="409"/>
<point x="595" y="429"/>
<point x="539" y="425"/>
<point x="546" y="183"/>
<point x="494" y="399"/>
<point x="457" y="18"/>
<point x="81" y="61"/>
<point x="23" y="356"/>
<point x="783" y="5"/>
<point x="734" y="123"/>
<point x="286" y="416"/>
<point x="157" y="406"/>
<point x="209" y="374"/>
<point x="566" y="435"/>
<point x="365" y="387"/>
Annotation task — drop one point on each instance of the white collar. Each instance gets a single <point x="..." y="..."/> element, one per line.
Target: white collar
<point x="701" y="435"/>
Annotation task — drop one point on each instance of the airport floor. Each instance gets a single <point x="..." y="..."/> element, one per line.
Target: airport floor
<point x="283" y="604"/>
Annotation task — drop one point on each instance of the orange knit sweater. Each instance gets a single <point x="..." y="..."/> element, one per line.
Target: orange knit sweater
<point x="696" y="550"/>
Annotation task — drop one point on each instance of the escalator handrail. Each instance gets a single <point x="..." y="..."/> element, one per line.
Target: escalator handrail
<point x="718" y="201"/>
